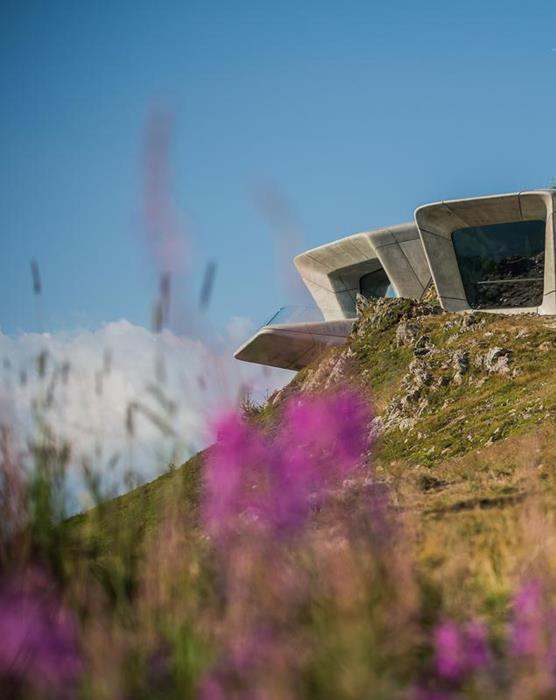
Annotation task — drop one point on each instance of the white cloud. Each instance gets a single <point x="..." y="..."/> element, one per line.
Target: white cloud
<point x="174" y="386"/>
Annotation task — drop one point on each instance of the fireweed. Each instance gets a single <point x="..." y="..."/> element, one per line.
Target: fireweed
<point x="297" y="580"/>
<point x="272" y="484"/>
<point x="39" y="635"/>
<point x="279" y="572"/>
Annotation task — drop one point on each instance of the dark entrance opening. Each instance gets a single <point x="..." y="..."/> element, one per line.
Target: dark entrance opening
<point x="376" y="284"/>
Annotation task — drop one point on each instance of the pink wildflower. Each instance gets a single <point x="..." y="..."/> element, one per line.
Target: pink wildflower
<point x="271" y="481"/>
<point x="477" y="650"/>
<point x="449" y="650"/>
<point x="460" y="650"/>
<point x="239" y="453"/>
<point x="39" y="636"/>
<point x="527" y="625"/>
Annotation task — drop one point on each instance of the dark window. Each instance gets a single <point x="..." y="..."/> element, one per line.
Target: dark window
<point x="502" y="265"/>
<point x="376" y="284"/>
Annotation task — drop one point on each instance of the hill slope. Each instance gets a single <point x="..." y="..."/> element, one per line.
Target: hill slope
<point x="465" y="408"/>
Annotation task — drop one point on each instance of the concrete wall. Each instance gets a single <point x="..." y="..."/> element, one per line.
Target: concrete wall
<point x="332" y="272"/>
<point x="438" y="221"/>
<point x="401" y="254"/>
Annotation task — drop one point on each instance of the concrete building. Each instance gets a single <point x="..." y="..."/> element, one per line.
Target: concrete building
<point x="385" y="262"/>
<point x="492" y="253"/>
<point x="495" y="253"/>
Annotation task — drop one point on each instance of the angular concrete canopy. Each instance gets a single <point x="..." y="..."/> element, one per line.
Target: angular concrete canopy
<point x="439" y="222"/>
<point x="333" y="272"/>
<point x="294" y="345"/>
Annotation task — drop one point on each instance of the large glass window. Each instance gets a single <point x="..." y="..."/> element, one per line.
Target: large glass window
<point x="376" y="284"/>
<point x="502" y="265"/>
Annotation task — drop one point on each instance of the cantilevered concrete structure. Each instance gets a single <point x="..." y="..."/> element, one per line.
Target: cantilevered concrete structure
<point x="495" y="253"/>
<point x="492" y="253"/>
<point x="293" y="345"/>
<point x="385" y="262"/>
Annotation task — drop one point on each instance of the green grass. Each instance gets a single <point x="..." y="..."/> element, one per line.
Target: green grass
<point x="122" y="524"/>
<point x="471" y="485"/>
<point x="461" y="475"/>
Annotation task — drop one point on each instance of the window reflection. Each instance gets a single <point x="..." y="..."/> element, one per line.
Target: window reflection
<point x="502" y="265"/>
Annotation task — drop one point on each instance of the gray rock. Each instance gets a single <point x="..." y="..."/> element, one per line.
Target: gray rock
<point x="498" y="360"/>
<point x="460" y="362"/>
<point x="361" y="304"/>
<point x="442" y="381"/>
<point x="418" y="375"/>
<point x="423" y="346"/>
<point x="406" y="333"/>
<point x="468" y="320"/>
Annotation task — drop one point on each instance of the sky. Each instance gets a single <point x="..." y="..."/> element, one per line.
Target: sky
<point x="290" y="124"/>
<point x="294" y="123"/>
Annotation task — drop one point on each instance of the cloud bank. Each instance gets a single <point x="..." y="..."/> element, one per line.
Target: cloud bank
<point x="126" y="399"/>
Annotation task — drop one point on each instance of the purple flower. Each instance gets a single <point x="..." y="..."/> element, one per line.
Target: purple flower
<point x="39" y="636"/>
<point x="253" y="649"/>
<point x="477" y="650"/>
<point x="460" y="650"/>
<point x="527" y="624"/>
<point x="332" y="431"/>
<point x="449" y="650"/>
<point x="239" y="453"/>
<point x="551" y="627"/>
<point x="211" y="689"/>
<point x="320" y="442"/>
<point x="269" y="482"/>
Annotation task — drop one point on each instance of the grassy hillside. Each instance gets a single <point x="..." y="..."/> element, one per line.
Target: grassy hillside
<point x="423" y="571"/>
<point x="138" y="513"/>
<point x="465" y="408"/>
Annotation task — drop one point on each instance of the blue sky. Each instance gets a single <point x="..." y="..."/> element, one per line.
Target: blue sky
<point x="350" y="114"/>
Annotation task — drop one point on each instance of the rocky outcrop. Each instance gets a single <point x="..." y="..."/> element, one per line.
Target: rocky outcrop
<point x="496" y="360"/>
<point x="383" y="313"/>
<point x="407" y="333"/>
<point x="460" y="362"/>
<point x="433" y="375"/>
<point x="434" y="368"/>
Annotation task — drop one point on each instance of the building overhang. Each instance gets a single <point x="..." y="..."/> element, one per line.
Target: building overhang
<point x="293" y="346"/>
<point x="437" y="223"/>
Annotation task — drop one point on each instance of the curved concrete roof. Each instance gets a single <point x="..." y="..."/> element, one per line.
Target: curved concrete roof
<point x="332" y="272"/>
